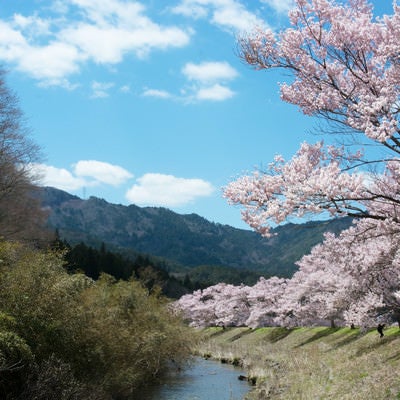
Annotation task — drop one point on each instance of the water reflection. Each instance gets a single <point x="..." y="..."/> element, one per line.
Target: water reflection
<point x="202" y="380"/>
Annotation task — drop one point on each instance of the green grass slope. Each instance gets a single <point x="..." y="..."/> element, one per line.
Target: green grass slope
<point x="311" y="363"/>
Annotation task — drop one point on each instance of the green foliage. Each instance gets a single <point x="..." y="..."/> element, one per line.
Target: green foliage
<point x="54" y="379"/>
<point x="15" y="357"/>
<point x="6" y="322"/>
<point x="151" y="273"/>
<point x="14" y="352"/>
<point x="205" y="275"/>
<point x="132" y="335"/>
<point x="185" y="241"/>
<point x="106" y="337"/>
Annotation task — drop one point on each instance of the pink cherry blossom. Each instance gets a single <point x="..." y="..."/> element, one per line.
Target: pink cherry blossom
<point x="345" y="68"/>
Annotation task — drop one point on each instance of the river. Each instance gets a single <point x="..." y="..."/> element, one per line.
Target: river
<point x="201" y="380"/>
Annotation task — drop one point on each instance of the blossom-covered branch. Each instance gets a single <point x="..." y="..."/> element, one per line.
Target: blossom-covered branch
<point x="344" y="63"/>
<point x="313" y="182"/>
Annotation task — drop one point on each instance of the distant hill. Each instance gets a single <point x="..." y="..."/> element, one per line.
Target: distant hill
<point x="186" y="242"/>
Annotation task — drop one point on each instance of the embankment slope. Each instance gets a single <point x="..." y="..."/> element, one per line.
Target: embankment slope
<point x="311" y="363"/>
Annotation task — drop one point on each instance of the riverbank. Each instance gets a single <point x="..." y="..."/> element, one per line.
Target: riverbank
<point x="310" y="363"/>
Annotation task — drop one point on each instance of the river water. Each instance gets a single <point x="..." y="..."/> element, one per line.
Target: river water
<point x="201" y="380"/>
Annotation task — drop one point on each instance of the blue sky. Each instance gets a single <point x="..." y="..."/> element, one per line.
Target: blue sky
<point x="147" y="102"/>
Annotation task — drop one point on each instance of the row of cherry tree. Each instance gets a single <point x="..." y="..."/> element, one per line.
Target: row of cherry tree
<point x="343" y="281"/>
<point x="345" y="65"/>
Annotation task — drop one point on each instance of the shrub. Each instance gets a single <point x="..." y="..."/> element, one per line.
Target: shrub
<point x="112" y="336"/>
<point x="16" y="358"/>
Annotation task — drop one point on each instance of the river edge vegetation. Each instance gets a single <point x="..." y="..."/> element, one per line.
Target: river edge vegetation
<point x="66" y="336"/>
<point x="63" y="334"/>
<point x="310" y="363"/>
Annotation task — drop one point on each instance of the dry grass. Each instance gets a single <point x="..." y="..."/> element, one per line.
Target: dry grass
<point x="311" y="363"/>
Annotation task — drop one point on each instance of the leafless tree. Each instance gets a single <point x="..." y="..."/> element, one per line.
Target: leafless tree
<point x="21" y="217"/>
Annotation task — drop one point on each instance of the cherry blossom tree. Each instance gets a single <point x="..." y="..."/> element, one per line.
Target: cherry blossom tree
<point x="197" y="309"/>
<point x="263" y="299"/>
<point x="218" y="305"/>
<point x="374" y="267"/>
<point x="351" y="278"/>
<point x="228" y="305"/>
<point x="346" y="69"/>
<point x="317" y="294"/>
<point x="345" y="64"/>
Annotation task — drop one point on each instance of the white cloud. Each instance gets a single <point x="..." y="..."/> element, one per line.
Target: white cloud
<point x="51" y="50"/>
<point x="237" y="18"/>
<point x="205" y="82"/>
<point x="209" y="71"/>
<point x="106" y="11"/>
<point x="151" y="189"/>
<point x="59" y="178"/>
<point x="102" y="172"/>
<point x="215" y="93"/>
<point x="227" y="14"/>
<point x="191" y="9"/>
<point x="280" y="6"/>
<point x="109" y="44"/>
<point x="32" y="24"/>
<point x="207" y="78"/>
<point x="167" y="190"/>
<point x="12" y="43"/>
<point x="100" y="89"/>
<point x="125" y="89"/>
<point x="162" y="94"/>
<point x="50" y="62"/>
<point x="115" y="27"/>
<point x="59" y="6"/>
<point x="85" y="173"/>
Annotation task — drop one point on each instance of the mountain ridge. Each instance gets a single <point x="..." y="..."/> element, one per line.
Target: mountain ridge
<point x="185" y="240"/>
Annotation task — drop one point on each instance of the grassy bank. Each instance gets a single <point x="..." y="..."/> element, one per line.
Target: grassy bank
<point x="311" y="363"/>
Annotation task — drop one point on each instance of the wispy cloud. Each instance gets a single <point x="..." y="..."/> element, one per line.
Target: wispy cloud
<point x="215" y="93"/>
<point x="102" y="172"/>
<point x="50" y="62"/>
<point x="51" y="50"/>
<point x="100" y="89"/>
<point x="32" y="25"/>
<point x="207" y="81"/>
<point x="209" y="71"/>
<point x="280" y="6"/>
<point x="125" y="89"/>
<point x="75" y="33"/>
<point x="151" y="189"/>
<point x="154" y="189"/>
<point x="84" y="173"/>
<point x="229" y="15"/>
<point x="210" y="80"/>
<point x="59" y="178"/>
<point x="161" y="94"/>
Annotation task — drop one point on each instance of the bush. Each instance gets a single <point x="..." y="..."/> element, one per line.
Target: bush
<point x="54" y="380"/>
<point x="16" y="358"/>
<point x="132" y="335"/>
<point x="112" y="336"/>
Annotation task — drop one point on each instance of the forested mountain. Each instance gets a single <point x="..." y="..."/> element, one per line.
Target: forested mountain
<point x="185" y="242"/>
